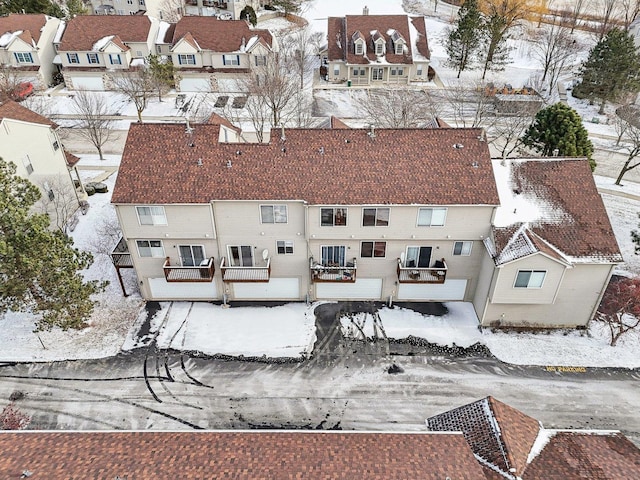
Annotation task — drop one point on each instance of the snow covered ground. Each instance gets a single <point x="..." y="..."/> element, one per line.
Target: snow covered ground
<point x="289" y="331"/>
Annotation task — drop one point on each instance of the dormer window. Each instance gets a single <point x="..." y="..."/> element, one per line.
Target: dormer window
<point x="379" y="47"/>
<point x="359" y="48"/>
<point x="398" y="47"/>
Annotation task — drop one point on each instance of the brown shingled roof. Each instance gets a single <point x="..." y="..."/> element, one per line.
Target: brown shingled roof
<point x="239" y="455"/>
<point x="15" y="111"/>
<point x="72" y="160"/>
<point x="218" y="35"/>
<point x="320" y="166"/>
<point x="83" y="31"/>
<point x="31" y="25"/>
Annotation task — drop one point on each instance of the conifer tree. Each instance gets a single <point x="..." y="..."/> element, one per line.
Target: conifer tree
<point x="463" y="40"/>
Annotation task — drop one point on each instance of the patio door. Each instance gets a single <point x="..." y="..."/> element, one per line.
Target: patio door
<point x="377" y="73"/>
<point x="419" y="257"/>
<point x="241" y="256"/>
<point x="191" y="255"/>
<point x="333" y="255"/>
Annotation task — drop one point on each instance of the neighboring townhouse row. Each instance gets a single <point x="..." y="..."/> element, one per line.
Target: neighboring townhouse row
<point x="26" y="48"/>
<point x="31" y="142"/>
<point x="377" y="50"/>
<point x="408" y="215"/>
<point x="226" y="9"/>
<point x="484" y="440"/>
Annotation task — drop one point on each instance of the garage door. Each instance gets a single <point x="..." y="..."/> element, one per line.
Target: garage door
<point x="163" y="290"/>
<point x="362" y="288"/>
<point x="87" y="83"/>
<point x="276" y="288"/>
<point x="447" y="291"/>
<point x="195" y="85"/>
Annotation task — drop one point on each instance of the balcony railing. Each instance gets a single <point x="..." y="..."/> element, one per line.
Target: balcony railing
<point x="245" y="274"/>
<point x="120" y="255"/>
<point x="435" y="274"/>
<point x="201" y="273"/>
<point x="333" y="273"/>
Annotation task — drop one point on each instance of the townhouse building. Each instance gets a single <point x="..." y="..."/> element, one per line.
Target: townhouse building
<point x="206" y="50"/>
<point x="117" y="7"/>
<point x="230" y="9"/>
<point x="32" y="143"/>
<point x="93" y="48"/>
<point x="26" y="48"/>
<point x="343" y="214"/>
<point x="376" y="50"/>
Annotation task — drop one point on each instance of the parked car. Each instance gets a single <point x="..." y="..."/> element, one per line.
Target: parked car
<point x="21" y="91"/>
<point x="224" y="16"/>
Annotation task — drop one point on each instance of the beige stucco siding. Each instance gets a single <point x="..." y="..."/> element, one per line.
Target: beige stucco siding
<point x="183" y="221"/>
<point x="577" y="298"/>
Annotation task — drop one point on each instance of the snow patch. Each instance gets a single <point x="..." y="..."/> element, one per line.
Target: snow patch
<point x="162" y="31"/>
<point x="100" y="44"/>
<point x="8" y="37"/>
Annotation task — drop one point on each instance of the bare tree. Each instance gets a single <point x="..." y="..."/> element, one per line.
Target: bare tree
<point x="108" y="234"/>
<point x="578" y="7"/>
<point x="300" y="116"/>
<point x="9" y="79"/>
<point x="398" y="107"/>
<point x="467" y="105"/>
<point x="620" y="125"/>
<point x="93" y="124"/>
<point x="172" y="10"/>
<point x="137" y="85"/>
<point x="59" y="201"/>
<point x="554" y="48"/>
<point x="620" y="307"/>
<point x="630" y="10"/>
<point x="506" y="132"/>
<point x="631" y="145"/>
<point x="256" y="109"/>
<point x="606" y="13"/>
<point x="299" y="50"/>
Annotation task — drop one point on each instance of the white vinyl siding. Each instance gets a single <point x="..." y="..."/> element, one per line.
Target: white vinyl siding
<point x="432" y="217"/>
<point x="151" y="215"/>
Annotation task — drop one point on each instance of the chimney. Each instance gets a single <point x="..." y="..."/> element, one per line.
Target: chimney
<point x="365" y="10"/>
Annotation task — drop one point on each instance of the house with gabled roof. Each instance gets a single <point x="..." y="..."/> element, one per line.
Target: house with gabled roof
<point x="26" y="48"/>
<point x="377" y="50"/>
<point x="206" y="50"/>
<point x="369" y="214"/>
<point x="511" y="445"/>
<point x="94" y="47"/>
<point x="32" y="143"/>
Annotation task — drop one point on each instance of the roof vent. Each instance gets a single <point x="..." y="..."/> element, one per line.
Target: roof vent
<point x="199" y="162"/>
<point x="474" y="164"/>
<point x="458" y="146"/>
<point x="365" y="10"/>
<point x="372" y="132"/>
<point x="321" y="150"/>
<point x="229" y="164"/>
<point x="26" y="474"/>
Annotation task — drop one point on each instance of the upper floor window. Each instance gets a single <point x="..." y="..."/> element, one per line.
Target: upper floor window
<point x="359" y="48"/>
<point x="284" y="247"/>
<point x="73" y="58"/>
<point x="114" y="59"/>
<point x="231" y="59"/>
<point x="158" y="48"/>
<point x="431" y="217"/>
<point x="151" y="215"/>
<point x="462" y="248"/>
<point x="398" y="48"/>
<point x="273" y="213"/>
<point x="184" y="59"/>
<point x="93" y="58"/>
<point x="150" y="248"/>
<point x="530" y="278"/>
<point x="373" y="249"/>
<point x="375" y="217"/>
<point x="379" y="48"/>
<point x="26" y="161"/>
<point x="333" y="217"/>
<point x="261" y="60"/>
<point x="23" y="57"/>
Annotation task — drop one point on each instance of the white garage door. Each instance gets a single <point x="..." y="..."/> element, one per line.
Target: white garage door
<point x="276" y="288"/>
<point x="362" y="288"/>
<point x="163" y="290"/>
<point x="195" y="85"/>
<point x="87" y="83"/>
<point x="447" y="291"/>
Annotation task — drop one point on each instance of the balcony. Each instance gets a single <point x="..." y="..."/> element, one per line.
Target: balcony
<point x="332" y="273"/>
<point x="245" y="274"/>
<point x="435" y="274"/>
<point x="200" y="273"/>
<point x="120" y="255"/>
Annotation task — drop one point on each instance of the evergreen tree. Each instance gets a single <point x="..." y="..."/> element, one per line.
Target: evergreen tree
<point x="611" y="70"/>
<point x="75" y="8"/>
<point x="494" y="38"/>
<point x="48" y="7"/>
<point x="39" y="268"/>
<point x="463" y="40"/>
<point x="163" y="74"/>
<point x="288" y="6"/>
<point x="559" y="127"/>
<point x="249" y="14"/>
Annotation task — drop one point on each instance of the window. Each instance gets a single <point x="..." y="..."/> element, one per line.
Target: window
<point x="151" y="215"/>
<point x="261" y="60"/>
<point x="73" y="58"/>
<point x="93" y="58"/>
<point x="231" y="59"/>
<point x="359" y="48"/>
<point x="419" y="70"/>
<point x="141" y="3"/>
<point x="333" y="255"/>
<point x="158" y="49"/>
<point x="431" y="217"/>
<point x="462" y="248"/>
<point x="56" y="145"/>
<point x="284" y="247"/>
<point x="48" y="190"/>
<point x="373" y="249"/>
<point x="375" y="217"/>
<point x="273" y="213"/>
<point x="150" y="248"/>
<point x="530" y="278"/>
<point x="23" y="57"/>
<point x="191" y="255"/>
<point x="186" y="59"/>
<point x="398" y="48"/>
<point x="418" y="257"/>
<point x="379" y="48"/>
<point x="377" y="73"/>
<point x="241" y="256"/>
<point x="336" y="70"/>
<point x="139" y="53"/>
<point x="26" y="161"/>
<point x="114" y="59"/>
<point x="130" y="2"/>
<point x="333" y="217"/>
<point x="400" y="71"/>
